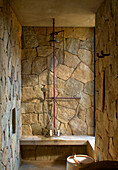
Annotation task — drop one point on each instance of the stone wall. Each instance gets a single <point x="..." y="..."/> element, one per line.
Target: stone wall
<point x="107" y="116"/>
<point x="74" y="78"/>
<point x="10" y="88"/>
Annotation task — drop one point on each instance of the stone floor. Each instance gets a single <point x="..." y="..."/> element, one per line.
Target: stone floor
<point x="44" y="165"/>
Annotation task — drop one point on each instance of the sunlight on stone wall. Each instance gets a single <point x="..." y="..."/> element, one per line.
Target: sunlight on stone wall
<point x="74" y="78"/>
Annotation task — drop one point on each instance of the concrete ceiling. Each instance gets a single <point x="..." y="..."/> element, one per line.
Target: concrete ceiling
<point x="67" y="13"/>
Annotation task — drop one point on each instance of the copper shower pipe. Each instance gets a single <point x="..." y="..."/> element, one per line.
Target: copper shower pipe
<point x="55" y="98"/>
<point x="54" y="68"/>
<point x="67" y="98"/>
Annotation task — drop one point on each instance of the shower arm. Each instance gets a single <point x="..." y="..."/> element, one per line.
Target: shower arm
<point x="56" y="98"/>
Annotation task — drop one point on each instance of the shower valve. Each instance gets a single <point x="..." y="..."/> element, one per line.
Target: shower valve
<point x="44" y="90"/>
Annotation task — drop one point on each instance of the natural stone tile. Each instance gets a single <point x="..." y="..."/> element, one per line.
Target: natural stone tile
<point x="5" y="156"/>
<point x="83" y="73"/>
<point x="26" y="130"/>
<point x="110" y="129"/>
<point x="27" y="108"/>
<point x="26" y="66"/>
<point x="38" y="107"/>
<point x="97" y="143"/>
<point x="61" y="44"/>
<point x="64" y="114"/>
<point x="81" y="112"/>
<point x="72" y="104"/>
<point x="29" y="80"/>
<point x="38" y="92"/>
<point x="63" y="72"/>
<point x="50" y="91"/>
<point x="10" y="66"/>
<point x="29" y="38"/>
<point x="28" y="94"/>
<point x="85" y="100"/>
<point x="98" y="114"/>
<point x="9" y="88"/>
<point x="57" y="124"/>
<point x="6" y="40"/>
<point x="89" y="88"/>
<point x="73" y="86"/>
<point x="13" y="144"/>
<point x="78" y="126"/>
<point x="72" y="45"/>
<point x="115" y="139"/>
<point x="45" y="107"/>
<point x="59" y="55"/>
<point x="90" y="117"/>
<point x="41" y="63"/>
<point x="60" y="85"/>
<point x="105" y="142"/>
<point x="1" y="26"/>
<point x="46" y="77"/>
<point x="59" y="58"/>
<point x="90" y="131"/>
<point x="65" y="130"/>
<point x="28" y="54"/>
<point x="50" y="62"/>
<point x="43" y="119"/>
<point x="71" y="60"/>
<point x="105" y="121"/>
<point x="44" y="51"/>
<point x="87" y="44"/>
<point x="30" y="118"/>
<point x="36" y="129"/>
<point x="2" y="166"/>
<point x="112" y="149"/>
<point x="98" y="100"/>
<point x="85" y="56"/>
<point x="65" y="85"/>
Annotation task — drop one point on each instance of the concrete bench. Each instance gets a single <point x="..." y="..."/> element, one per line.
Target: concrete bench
<point x="48" y="148"/>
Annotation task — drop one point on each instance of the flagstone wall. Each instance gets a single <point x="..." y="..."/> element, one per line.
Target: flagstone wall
<point x="106" y="91"/>
<point x="10" y="88"/>
<point x="74" y="78"/>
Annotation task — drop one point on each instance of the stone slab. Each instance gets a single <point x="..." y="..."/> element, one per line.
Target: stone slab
<point x="63" y="72"/>
<point x="71" y="60"/>
<point x="83" y="73"/>
<point x="61" y="140"/>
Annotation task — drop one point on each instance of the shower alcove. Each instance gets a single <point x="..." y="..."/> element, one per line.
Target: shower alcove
<point x="74" y="81"/>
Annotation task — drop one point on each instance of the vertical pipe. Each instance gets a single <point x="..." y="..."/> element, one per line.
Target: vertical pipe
<point x="54" y="68"/>
<point x="94" y="83"/>
<point x="63" y="46"/>
<point x="53" y="29"/>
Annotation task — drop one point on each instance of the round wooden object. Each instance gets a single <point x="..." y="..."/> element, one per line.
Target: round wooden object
<point x="80" y="161"/>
